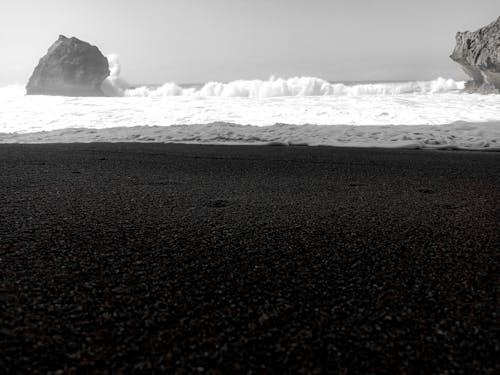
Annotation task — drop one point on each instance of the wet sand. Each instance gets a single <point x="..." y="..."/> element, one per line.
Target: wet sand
<point x="231" y="259"/>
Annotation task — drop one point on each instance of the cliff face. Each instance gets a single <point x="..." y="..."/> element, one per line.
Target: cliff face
<point x="478" y="52"/>
<point x="71" y="67"/>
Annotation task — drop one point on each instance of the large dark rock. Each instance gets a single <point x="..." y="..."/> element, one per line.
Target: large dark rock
<point x="71" y="67"/>
<point x="478" y="52"/>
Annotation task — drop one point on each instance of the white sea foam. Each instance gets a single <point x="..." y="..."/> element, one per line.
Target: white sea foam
<point x="261" y="103"/>
<point x="20" y="113"/>
<point x="297" y="86"/>
<point x="460" y="135"/>
<point x="274" y="87"/>
<point x="114" y="85"/>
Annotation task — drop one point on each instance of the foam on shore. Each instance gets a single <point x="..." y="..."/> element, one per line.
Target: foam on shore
<point x="295" y="110"/>
<point x="459" y="135"/>
<point x="25" y="114"/>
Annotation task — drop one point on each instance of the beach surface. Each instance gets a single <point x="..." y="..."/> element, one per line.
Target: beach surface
<point x="455" y="136"/>
<point x="248" y="259"/>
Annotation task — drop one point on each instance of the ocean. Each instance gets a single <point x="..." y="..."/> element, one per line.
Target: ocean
<point x="297" y="110"/>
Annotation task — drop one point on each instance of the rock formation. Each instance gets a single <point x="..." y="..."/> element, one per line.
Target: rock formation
<point x="478" y="52"/>
<point x="71" y="67"/>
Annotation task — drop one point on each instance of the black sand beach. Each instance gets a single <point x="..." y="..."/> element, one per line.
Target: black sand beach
<point x="153" y="258"/>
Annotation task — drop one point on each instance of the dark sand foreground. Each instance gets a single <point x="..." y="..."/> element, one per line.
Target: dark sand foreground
<point x="213" y="259"/>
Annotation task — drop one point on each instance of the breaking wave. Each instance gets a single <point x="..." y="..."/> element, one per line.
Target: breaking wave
<point x="275" y="87"/>
<point x="115" y="86"/>
<point x="296" y="86"/>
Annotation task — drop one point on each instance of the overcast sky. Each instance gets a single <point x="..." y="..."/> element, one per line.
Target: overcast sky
<point x="199" y="40"/>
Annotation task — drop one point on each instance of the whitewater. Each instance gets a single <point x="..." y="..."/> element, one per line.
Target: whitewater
<point x="296" y="110"/>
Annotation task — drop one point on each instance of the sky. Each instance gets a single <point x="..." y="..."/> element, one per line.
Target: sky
<point x="194" y="41"/>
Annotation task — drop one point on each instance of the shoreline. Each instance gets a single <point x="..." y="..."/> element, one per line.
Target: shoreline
<point x="270" y="144"/>
<point x="455" y="136"/>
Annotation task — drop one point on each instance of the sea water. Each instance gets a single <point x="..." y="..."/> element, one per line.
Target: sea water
<point x="304" y="107"/>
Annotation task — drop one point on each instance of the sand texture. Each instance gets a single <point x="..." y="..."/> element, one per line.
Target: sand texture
<point x="143" y="258"/>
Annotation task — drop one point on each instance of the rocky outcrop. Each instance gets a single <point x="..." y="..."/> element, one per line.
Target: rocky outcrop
<point x="71" y="67"/>
<point x="478" y="52"/>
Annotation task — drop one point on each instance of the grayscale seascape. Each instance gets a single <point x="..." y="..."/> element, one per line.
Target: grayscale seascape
<point x="249" y="187"/>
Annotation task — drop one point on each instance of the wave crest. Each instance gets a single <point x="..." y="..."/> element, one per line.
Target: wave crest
<point x="114" y="85"/>
<point x="297" y="86"/>
<point x="274" y="87"/>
